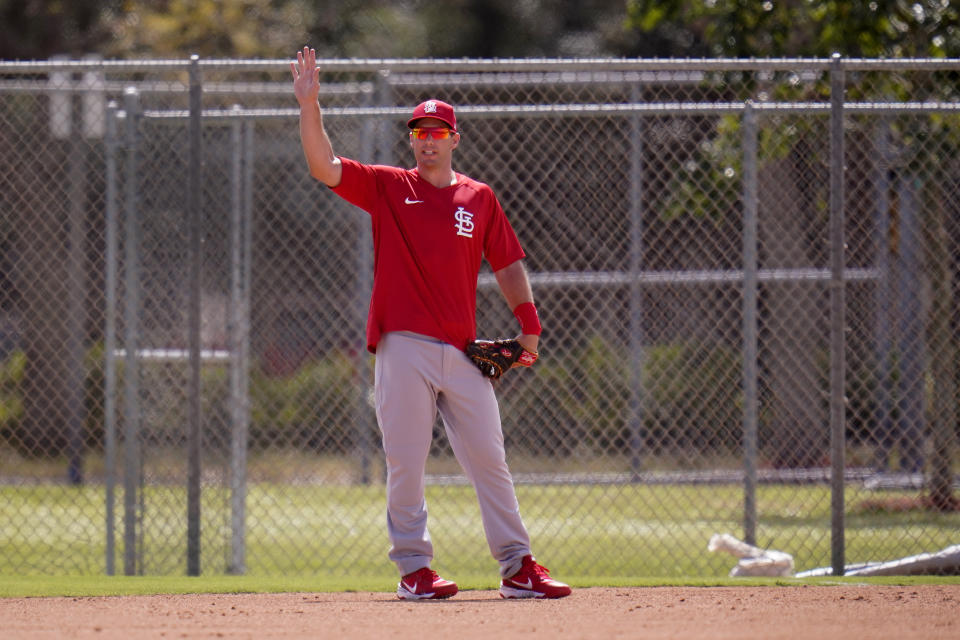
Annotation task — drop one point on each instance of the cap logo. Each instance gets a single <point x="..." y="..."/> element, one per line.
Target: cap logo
<point x="430" y="107"/>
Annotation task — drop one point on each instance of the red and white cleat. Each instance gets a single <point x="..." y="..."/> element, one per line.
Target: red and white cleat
<point x="425" y="584"/>
<point x="532" y="581"/>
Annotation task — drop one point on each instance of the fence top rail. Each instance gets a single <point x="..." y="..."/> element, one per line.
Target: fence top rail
<point x="26" y="85"/>
<point x="575" y="110"/>
<point x="435" y="65"/>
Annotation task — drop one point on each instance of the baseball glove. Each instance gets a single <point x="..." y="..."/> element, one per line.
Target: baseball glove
<point x="494" y="357"/>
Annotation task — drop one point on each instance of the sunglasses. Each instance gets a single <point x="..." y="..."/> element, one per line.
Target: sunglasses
<point x="437" y="133"/>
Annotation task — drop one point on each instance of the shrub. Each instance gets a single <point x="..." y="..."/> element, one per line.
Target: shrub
<point x="691" y="400"/>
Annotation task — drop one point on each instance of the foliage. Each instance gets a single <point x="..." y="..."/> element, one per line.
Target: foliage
<point x="12" y="372"/>
<point x="11" y="405"/>
<point x="41" y="29"/>
<point x="210" y="28"/>
<point x="337" y="28"/>
<point x="468" y="28"/>
<point x="694" y="396"/>
<point x="688" y="402"/>
<point x="314" y="407"/>
<point x="708" y="184"/>
<point x="796" y="28"/>
<point x="480" y="28"/>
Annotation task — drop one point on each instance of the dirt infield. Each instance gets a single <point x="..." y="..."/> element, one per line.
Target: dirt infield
<point x="845" y="611"/>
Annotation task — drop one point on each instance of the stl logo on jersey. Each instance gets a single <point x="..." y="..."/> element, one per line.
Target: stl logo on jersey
<point x="464" y="223"/>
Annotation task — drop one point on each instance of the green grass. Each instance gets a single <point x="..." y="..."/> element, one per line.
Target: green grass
<point x="86" y="586"/>
<point x="322" y="538"/>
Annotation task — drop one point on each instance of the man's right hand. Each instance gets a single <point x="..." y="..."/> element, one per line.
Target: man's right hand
<point x="306" y="77"/>
<point x="323" y="163"/>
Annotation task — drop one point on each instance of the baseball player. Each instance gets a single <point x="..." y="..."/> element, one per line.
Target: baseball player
<point x="431" y="229"/>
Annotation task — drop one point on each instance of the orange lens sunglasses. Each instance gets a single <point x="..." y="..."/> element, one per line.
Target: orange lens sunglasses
<point x="437" y="133"/>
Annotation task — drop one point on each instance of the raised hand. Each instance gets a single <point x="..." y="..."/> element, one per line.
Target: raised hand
<point x="306" y="76"/>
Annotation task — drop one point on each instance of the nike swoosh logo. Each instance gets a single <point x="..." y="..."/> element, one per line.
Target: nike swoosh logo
<point x="527" y="585"/>
<point x="409" y="201"/>
<point x="411" y="588"/>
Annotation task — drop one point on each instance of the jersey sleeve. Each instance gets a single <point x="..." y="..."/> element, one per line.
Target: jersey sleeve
<point x="358" y="184"/>
<point x="500" y="244"/>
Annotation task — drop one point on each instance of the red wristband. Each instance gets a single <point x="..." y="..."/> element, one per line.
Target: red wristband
<point x="526" y="314"/>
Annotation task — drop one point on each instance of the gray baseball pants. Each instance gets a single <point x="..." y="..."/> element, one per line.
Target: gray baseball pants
<point x="415" y="376"/>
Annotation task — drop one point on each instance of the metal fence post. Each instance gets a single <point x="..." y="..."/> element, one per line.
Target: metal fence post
<point x="110" y="335"/>
<point x="636" y="340"/>
<point x="238" y="335"/>
<point x="837" y="314"/>
<point x="883" y="336"/>
<point x="77" y="187"/>
<point x="195" y="233"/>
<point x="374" y="149"/>
<point x="750" y="331"/>
<point x="131" y="368"/>
<point x="246" y="276"/>
<point x="910" y="401"/>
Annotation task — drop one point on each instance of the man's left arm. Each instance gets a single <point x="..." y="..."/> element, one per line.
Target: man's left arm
<point x="515" y="286"/>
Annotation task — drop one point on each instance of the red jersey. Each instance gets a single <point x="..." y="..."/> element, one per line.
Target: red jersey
<point x="428" y="244"/>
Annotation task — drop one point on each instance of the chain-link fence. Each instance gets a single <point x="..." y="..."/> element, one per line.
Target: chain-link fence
<point x="746" y="271"/>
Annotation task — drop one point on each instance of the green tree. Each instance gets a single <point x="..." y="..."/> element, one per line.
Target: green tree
<point x="468" y="28"/>
<point x="40" y="29"/>
<point x="210" y="28"/>
<point x="795" y="28"/>
<point x="819" y="28"/>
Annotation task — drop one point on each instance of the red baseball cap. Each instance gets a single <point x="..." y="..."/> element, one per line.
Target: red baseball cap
<point x="434" y="109"/>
